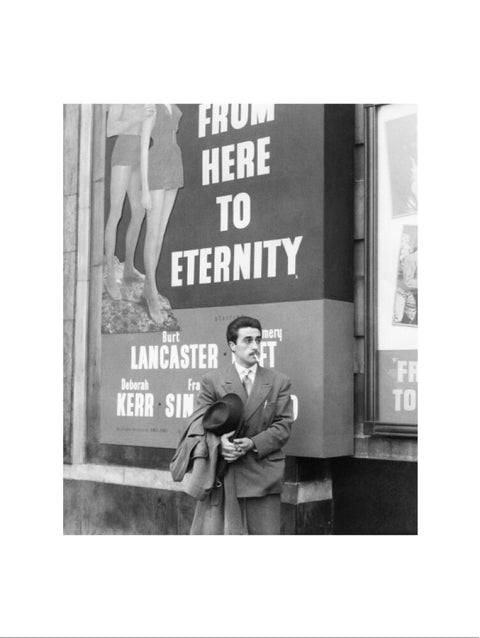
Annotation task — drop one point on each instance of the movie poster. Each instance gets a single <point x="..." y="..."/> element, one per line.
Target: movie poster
<point x="211" y="212"/>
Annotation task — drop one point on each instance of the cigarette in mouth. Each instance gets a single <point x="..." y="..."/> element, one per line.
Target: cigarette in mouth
<point x="257" y="358"/>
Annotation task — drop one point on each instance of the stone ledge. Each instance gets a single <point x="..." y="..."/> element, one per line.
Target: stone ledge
<point x="121" y="475"/>
<point x="307" y="492"/>
<point x="293" y="493"/>
<point x="386" y="448"/>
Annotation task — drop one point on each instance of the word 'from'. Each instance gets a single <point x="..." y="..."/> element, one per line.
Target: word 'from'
<point x="218" y="118"/>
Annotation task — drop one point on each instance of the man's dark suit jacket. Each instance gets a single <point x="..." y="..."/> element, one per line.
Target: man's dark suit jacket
<point x="268" y="414"/>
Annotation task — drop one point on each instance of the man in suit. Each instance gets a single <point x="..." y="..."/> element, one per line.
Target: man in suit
<point x="256" y="462"/>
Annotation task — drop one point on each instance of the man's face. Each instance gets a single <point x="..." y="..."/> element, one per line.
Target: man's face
<point x="247" y="346"/>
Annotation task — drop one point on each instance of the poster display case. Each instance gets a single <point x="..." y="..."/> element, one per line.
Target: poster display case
<point x="392" y="270"/>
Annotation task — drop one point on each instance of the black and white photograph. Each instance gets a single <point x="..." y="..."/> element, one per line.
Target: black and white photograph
<point x="223" y="414"/>
<point x="406" y="296"/>
<point x="226" y="368"/>
<point x="403" y="164"/>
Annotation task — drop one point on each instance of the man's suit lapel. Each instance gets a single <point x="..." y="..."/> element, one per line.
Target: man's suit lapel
<point x="259" y="392"/>
<point x="232" y="383"/>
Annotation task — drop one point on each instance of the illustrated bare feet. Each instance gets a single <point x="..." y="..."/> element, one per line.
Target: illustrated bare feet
<point x="155" y="309"/>
<point x="111" y="284"/>
<point x="147" y="292"/>
<point x="132" y="276"/>
<point x="164" y="301"/>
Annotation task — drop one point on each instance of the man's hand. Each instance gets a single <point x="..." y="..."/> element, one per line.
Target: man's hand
<point x="244" y="445"/>
<point x="229" y="451"/>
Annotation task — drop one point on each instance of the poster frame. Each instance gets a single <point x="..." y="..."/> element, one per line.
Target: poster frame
<point x="373" y="426"/>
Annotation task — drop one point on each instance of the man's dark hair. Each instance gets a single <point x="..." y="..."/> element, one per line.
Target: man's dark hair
<point x="241" y="322"/>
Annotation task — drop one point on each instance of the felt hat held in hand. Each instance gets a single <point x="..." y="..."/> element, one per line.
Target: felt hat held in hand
<point x="224" y="415"/>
